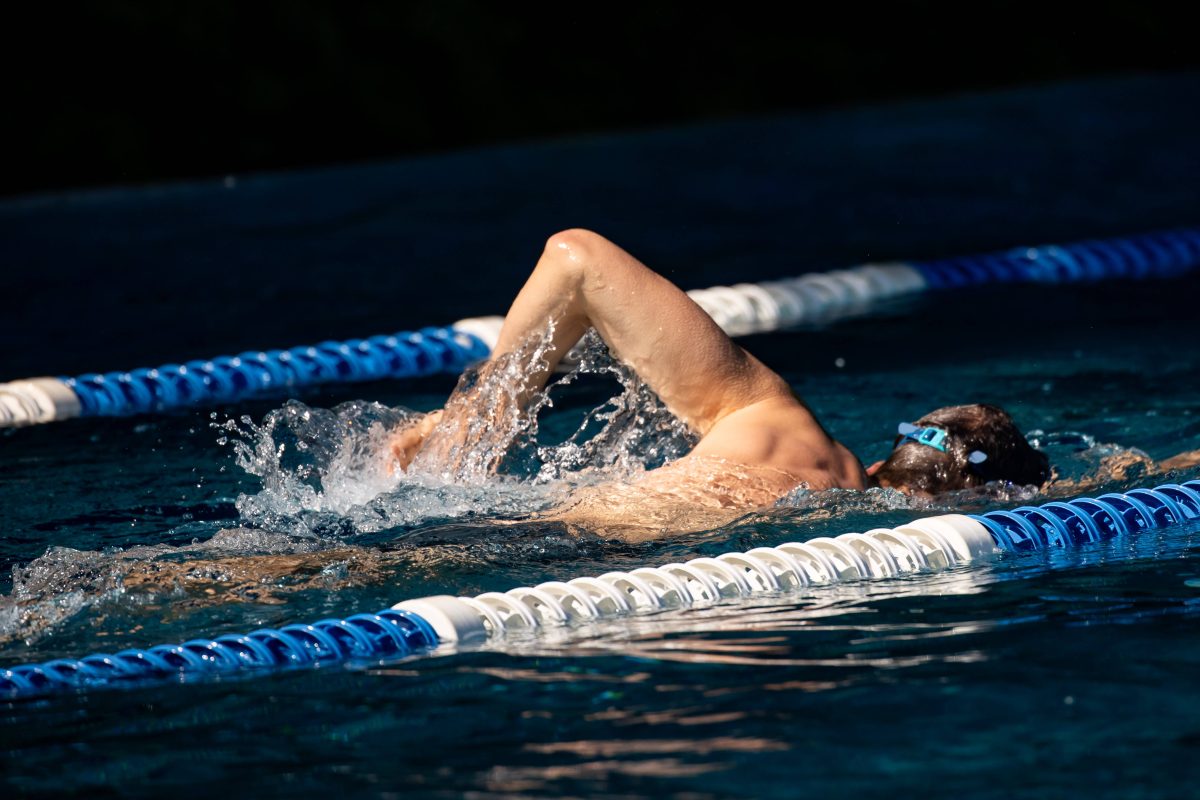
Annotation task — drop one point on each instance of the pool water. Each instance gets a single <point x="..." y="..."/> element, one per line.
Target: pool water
<point x="1052" y="674"/>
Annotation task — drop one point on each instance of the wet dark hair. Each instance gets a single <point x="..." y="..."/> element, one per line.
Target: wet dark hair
<point x="989" y="429"/>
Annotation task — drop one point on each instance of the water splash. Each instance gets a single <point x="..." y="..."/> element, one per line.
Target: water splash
<point x="631" y="433"/>
<point x="315" y="459"/>
<point x="332" y="511"/>
<point x="328" y="473"/>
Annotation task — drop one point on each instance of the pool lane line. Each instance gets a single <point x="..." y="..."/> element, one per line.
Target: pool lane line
<point x="740" y="309"/>
<point x="418" y="627"/>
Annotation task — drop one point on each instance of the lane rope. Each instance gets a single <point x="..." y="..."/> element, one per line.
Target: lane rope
<point x="741" y="309"/>
<point x="417" y="627"/>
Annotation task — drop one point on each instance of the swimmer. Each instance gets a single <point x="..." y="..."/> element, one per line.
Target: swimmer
<point x="757" y="440"/>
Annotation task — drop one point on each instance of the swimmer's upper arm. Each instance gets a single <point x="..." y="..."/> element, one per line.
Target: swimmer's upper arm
<point x="669" y="340"/>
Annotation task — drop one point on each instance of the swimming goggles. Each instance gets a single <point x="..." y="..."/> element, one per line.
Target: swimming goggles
<point x="932" y="437"/>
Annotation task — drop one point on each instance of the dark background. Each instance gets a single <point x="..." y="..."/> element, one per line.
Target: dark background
<point x="133" y="92"/>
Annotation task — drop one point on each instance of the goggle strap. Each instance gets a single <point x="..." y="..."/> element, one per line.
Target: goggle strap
<point x="934" y="437"/>
<point x="930" y="437"/>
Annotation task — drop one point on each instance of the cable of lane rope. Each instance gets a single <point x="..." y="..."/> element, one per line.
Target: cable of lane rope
<point x="740" y="309"/>
<point x="416" y="627"/>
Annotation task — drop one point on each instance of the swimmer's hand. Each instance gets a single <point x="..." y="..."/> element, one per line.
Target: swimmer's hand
<point x="406" y="442"/>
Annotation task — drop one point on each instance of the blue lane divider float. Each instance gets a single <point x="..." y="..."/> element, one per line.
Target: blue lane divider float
<point x="227" y="378"/>
<point x="739" y="309"/>
<point x="1092" y="519"/>
<point x="386" y="634"/>
<point x="418" y="626"/>
<point x="1164" y="254"/>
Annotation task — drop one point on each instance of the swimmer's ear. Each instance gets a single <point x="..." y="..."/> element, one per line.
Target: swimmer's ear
<point x="871" y="470"/>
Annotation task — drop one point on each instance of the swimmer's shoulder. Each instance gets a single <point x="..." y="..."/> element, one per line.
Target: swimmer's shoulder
<point x="785" y="436"/>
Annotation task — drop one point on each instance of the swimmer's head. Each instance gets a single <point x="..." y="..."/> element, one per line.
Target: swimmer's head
<point x="960" y="447"/>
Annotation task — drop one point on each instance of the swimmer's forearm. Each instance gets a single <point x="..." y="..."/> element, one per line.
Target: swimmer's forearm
<point x="482" y="417"/>
<point x="406" y="442"/>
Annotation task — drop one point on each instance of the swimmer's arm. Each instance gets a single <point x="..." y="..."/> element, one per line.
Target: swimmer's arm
<point x="1186" y="460"/>
<point x="1119" y="466"/>
<point x="1128" y="465"/>
<point x="583" y="280"/>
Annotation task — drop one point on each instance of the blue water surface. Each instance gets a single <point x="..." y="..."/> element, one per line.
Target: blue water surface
<point x="1060" y="674"/>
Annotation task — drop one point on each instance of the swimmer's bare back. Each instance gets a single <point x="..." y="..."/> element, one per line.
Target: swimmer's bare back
<point x="758" y="440"/>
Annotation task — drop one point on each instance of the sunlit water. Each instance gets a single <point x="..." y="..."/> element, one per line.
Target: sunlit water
<point x="1061" y="674"/>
